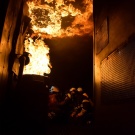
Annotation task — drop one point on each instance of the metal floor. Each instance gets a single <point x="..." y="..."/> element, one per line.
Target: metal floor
<point x="67" y="129"/>
<point x="54" y="129"/>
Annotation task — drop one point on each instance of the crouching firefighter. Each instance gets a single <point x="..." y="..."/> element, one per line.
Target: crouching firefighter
<point x="83" y="113"/>
<point x="68" y="103"/>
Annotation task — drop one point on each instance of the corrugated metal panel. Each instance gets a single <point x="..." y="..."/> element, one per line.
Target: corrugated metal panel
<point x="118" y="75"/>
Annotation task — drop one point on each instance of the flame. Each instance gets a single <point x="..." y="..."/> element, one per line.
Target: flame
<point x="39" y="58"/>
<point x="47" y="21"/>
<point x="46" y="18"/>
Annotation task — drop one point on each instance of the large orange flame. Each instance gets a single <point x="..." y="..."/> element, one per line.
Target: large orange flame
<point x="47" y="17"/>
<point x="47" y="21"/>
<point x="39" y="57"/>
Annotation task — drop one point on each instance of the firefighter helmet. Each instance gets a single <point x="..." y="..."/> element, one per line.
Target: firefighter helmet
<point x="79" y="89"/>
<point x="54" y="89"/>
<point x="72" y="89"/>
<point x="85" y="95"/>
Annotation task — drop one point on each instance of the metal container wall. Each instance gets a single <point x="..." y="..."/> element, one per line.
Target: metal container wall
<point x="118" y="71"/>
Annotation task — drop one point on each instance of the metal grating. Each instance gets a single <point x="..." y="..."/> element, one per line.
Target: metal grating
<point x="118" y="76"/>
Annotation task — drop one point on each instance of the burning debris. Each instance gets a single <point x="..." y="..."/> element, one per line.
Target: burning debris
<point x="50" y="19"/>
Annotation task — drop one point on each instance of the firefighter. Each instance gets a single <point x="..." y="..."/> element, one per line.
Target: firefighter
<point x="68" y="103"/>
<point x="70" y="95"/>
<point x="53" y="103"/>
<point x="78" y="101"/>
<point x="83" y="112"/>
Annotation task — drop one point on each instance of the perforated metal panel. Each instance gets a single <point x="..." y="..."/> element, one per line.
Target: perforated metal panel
<point x="118" y="75"/>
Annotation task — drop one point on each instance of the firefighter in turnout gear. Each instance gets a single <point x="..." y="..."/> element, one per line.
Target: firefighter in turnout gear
<point x="53" y="103"/>
<point x="83" y="112"/>
<point x="68" y="103"/>
<point x="78" y="101"/>
<point x="70" y="95"/>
